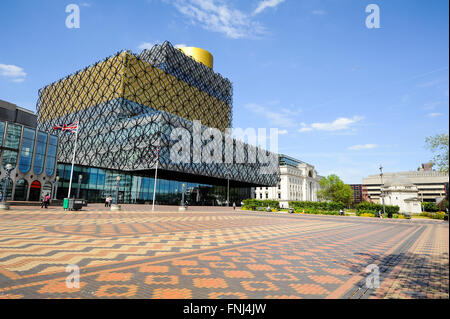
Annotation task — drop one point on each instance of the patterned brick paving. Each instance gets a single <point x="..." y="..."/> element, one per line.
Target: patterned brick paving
<point x="218" y="253"/>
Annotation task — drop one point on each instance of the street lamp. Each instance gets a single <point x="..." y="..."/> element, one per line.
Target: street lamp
<point x="182" y="194"/>
<point x="228" y="186"/>
<point x="381" y="189"/>
<point x="8" y="168"/>
<point x="116" y="205"/>
<point x="56" y="187"/>
<point x="117" y="189"/>
<point x="80" y="177"/>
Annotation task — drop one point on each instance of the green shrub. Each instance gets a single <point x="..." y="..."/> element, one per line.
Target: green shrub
<point x="436" y="215"/>
<point x="367" y="215"/>
<point x="429" y="207"/>
<point x="316" y="212"/>
<point x="321" y="206"/>
<point x="374" y="208"/>
<point x="256" y="204"/>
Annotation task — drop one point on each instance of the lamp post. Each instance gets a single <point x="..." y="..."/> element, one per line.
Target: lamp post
<point x="182" y="194"/>
<point x="228" y="186"/>
<point x="381" y="189"/>
<point x="56" y="187"/>
<point x="4" y="205"/>
<point x="117" y="189"/>
<point x="116" y="205"/>
<point x="80" y="178"/>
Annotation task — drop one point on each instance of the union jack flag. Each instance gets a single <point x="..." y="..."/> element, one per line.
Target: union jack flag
<point x="71" y="127"/>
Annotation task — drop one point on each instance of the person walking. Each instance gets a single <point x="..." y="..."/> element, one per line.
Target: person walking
<point x="341" y="213"/>
<point x="380" y="215"/>
<point x="107" y="201"/>
<point x="47" y="200"/>
<point x="234" y="206"/>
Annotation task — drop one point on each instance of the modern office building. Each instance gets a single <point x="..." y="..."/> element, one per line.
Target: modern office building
<point x="31" y="153"/>
<point x="359" y="193"/>
<point x="132" y="111"/>
<point x="431" y="184"/>
<point x="299" y="181"/>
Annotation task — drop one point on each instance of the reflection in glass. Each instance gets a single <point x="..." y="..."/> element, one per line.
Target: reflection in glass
<point x="26" y="153"/>
<point x="13" y="133"/>
<point x="51" y="155"/>
<point x="20" y="192"/>
<point x="8" y="188"/>
<point x="2" y="132"/>
<point x="9" y="157"/>
<point x="39" y="157"/>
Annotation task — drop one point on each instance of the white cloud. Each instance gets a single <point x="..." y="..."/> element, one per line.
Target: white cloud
<point x="177" y="46"/>
<point x="85" y="4"/>
<point x="146" y="45"/>
<point x="431" y="105"/>
<point x="282" y="132"/>
<point x="218" y="16"/>
<point x="266" y="4"/>
<point x="430" y="83"/>
<point x="362" y="147"/>
<point x="12" y="71"/>
<point x="341" y="123"/>
<point x="282" y="117"/>
<point x="434" y="114"/>
<point x="304" y="128"/>
<point x="319" y="12"/>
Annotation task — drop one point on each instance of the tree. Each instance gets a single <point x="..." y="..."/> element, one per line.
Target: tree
<point x="334" y="189"/>
<point x="439" y="144"/>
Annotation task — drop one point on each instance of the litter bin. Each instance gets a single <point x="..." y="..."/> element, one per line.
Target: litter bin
<point x="66" y="204"/>
<point x="73" y="204"/>
<point x="77" y="204"/>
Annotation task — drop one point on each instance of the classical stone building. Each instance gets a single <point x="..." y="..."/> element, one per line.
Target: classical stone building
<point x="299" y="181"/>
<point x="399" y="191"/>
<point x="430" y="184"/>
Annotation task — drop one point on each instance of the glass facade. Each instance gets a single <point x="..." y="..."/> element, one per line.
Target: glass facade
<point x="26" y="153"/>
<point x="21" y="189"/>
<point x="11" y="145"/>
<point x="24" y="147"/>
<point x="51" y="155"/>
<point x="2" y="132"/>
<point x="98" y="183"/>
<point x="39" y="157"/>
<point x="285" y="160"/>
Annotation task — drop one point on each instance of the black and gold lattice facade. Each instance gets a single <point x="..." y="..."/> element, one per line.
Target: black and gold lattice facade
<point x="128" y="104"/>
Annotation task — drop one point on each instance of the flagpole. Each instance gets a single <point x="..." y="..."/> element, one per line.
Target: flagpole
<point x="73" y="159"/>
<point x="156" y="172"/>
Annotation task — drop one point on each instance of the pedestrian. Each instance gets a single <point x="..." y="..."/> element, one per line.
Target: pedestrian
<point x="107" y="200"/>
<point x="110" y="201"/>
<point x="47" y="200"/>
<point x="380" y="214"/>
<point x="341" y="213"/>
<point x="234" y="206"/>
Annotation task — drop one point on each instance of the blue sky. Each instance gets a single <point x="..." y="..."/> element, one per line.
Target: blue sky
<point x="346" y="97"/>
